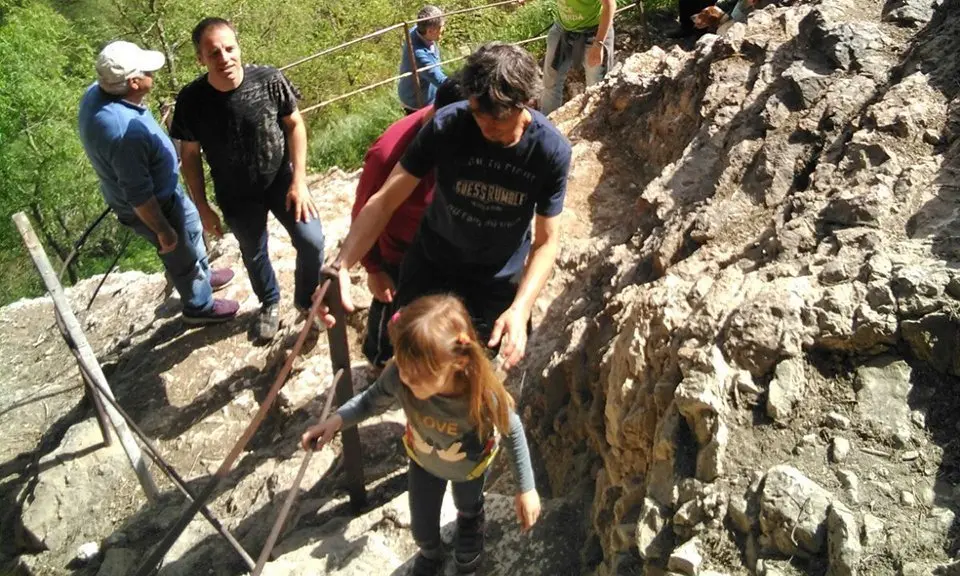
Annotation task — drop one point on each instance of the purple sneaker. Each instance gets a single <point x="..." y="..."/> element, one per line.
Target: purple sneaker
<point x="220" y="277"/>
<point x="222" y="311"/>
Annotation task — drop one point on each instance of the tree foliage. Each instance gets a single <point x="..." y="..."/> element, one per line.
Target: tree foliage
<point x="47" y="50"/>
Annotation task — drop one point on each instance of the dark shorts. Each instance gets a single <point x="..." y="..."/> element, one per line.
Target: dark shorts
<point x="485" y="300"/>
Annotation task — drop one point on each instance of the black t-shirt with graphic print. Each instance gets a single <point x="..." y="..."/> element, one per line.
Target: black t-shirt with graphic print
<point x="240" y="131"/>
<point x="478" y="224"/>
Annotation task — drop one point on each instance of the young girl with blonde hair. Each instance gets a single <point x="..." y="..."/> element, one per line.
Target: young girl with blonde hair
<point x="458" y="414"/>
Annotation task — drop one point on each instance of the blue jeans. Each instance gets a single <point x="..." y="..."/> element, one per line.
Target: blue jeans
<point x="425" y="492"/>
<point x="248" y="222"/>
<point x="376" y="344"/>
<point x="187" y="263"/>
<point x="573" y="48"/>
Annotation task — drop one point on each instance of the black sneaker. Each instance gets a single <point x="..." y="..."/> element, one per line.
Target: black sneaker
<point x="423" y="566"/>
<point x="468" y="545"/>
<point x="268" y="322"/>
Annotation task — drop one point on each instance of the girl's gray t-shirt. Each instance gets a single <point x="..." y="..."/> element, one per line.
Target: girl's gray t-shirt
<point x="439" y="435"/>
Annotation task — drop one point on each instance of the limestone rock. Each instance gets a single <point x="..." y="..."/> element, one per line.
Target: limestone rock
<point x="839" y="449"/>
<point x="872" y="531"/>
<point x="794" y="508"/>
<point x="883" y="387"/>
<point x="119" y="562"/>
<point x="651" y="538"/>
<point x="786" y="388"/>
<point x="851" y="484"/>
<point x="843" y="536"/>
<point x="909" y="12"/>
<point x="686" y="559"/>
<point x="932" y="339"/>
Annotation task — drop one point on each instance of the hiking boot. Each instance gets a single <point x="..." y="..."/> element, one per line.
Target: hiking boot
<point x="268" y="322"/>
<point x="220" y="277"/>
<point x="468" y="543"/>
<point x="423" y="566"/>
<point x="221" y="311"/>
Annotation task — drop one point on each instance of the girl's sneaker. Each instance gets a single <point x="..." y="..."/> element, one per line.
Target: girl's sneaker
<point x="423" y="566"/>
<point x="468" y="546"/>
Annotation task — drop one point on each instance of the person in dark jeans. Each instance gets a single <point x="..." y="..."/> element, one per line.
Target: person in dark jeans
<point x="137" y="167"/>
<point x="491" y="234"/>
<point x="244" y="119"/>
<point x="382" y="262"/>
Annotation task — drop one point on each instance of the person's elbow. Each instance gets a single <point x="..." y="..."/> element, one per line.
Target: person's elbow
<point x="547" y="236"/>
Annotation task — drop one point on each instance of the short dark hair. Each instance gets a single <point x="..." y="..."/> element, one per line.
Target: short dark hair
<point x="209" y="22"/>
<point x="435" y="16"/>
<point x="450" y="91"/>
<point x="502" y="77"/>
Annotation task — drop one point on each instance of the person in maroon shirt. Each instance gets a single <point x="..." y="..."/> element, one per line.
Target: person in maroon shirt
<point x="382" y="262"/>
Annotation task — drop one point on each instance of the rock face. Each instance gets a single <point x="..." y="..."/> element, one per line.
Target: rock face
<point x="788" y="271"/>
<point x="745" y="361"/>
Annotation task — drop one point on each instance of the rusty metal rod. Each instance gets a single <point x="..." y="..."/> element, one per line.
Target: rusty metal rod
<point x="154" y="454"/>
<point x="123" y="250"/>
<point x="80" y="242"/>
<point x="220" y="475"/>
<point x="294" y="490"/>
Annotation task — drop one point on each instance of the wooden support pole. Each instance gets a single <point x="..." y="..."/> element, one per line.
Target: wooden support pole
<point x="413" y="62"/>
<point x="87" y="358"/>
<point x="160" y="550"/>
<point x="340" y="362"/>
<point x="102" y="419"/>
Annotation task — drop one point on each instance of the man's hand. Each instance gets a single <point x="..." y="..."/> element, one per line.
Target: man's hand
<point x="510" y="332"/>
<point x="168" y="241"/>
<point x="345" y="299"/>
<point x="381" y="286"/>
<point x="300" y="201"/>
<point x="595" y="54"/>
<point x="528" y="508"/>
<point x="708" y="18"/>
<point x="211" y="221"/>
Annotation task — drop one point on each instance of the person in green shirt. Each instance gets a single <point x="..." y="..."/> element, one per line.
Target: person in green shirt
<point x="582" y="33"/>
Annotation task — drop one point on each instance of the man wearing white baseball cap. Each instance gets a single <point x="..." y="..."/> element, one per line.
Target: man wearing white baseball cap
<point x="139" y="177"/>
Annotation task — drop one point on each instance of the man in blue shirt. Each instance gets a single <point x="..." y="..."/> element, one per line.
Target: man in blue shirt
<point x="139" y="177"/>
<point x="499" y="165"/>
<point x="423" y="37"/>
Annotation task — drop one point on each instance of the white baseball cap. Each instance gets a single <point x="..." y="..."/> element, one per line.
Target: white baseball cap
<point x="121" y="60"/>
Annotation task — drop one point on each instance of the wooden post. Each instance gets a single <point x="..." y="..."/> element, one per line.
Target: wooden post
<point x="102" y="419"/>
<point x="87" y="357"/>
<point x="148" y="566"/>
<point x="340" y="361"/>
<point x="413" y="62"/>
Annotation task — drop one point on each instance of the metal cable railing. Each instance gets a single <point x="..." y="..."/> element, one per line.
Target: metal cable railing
<point x="416" y="73"/>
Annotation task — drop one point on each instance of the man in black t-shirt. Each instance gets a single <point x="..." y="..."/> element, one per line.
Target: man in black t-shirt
<point x="244" y="119"/>
<point x="499" y="164"/>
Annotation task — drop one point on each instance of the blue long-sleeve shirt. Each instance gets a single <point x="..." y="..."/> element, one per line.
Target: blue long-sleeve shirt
<point x="425" y="55"/>
<point x="131" y="154"/>
<point x="439" y="435"/>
